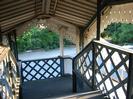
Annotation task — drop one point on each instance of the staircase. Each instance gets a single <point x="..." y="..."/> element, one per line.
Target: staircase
<point x="91" y="77"/>
<point x="84" y="95"/>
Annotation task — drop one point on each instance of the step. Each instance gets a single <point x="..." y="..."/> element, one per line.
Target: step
<point x="84" y="95"/>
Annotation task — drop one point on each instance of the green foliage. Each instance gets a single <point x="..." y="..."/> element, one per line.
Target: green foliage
<point x="35" y="38"/>
<point x="120" y="33"/>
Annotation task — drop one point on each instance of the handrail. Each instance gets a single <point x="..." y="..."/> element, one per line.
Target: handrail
<point x="47" y="58"/>
<point x="109" y="58"/>
<point x="42" y="68"/>
<point x="10" y="79"/>
<point x="83" y="50"/>
<point x="113" y="46"/>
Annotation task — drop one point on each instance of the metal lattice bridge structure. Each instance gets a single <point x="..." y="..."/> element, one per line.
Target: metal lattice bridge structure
<point x="100" y="70"/>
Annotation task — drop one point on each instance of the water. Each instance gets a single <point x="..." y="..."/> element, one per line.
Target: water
<point x="41" y="54"/>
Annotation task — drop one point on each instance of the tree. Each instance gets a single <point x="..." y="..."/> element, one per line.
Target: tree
<point x="120" y="33"/>
<point x="35" y="38"/>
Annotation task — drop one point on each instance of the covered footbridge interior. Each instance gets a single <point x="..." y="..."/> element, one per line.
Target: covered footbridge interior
<point x="96" y="69"/>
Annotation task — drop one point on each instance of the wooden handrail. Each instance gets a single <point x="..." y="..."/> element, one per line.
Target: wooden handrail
<point x="113" y="46"/>
<point x="97" y="49"/>
<point x="11" y="72"/>
<point x="3" y="51"/>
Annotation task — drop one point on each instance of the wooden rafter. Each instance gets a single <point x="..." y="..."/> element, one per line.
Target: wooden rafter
<point x="116" y="2"/>
<point x="43" y="5"/>
<point x="55" y="4"/>
<point x="48" y="6"/>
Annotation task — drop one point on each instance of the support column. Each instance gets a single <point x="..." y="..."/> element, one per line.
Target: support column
<point x="80" y="84"/>
<point x="0" y="37"/>
<point x="81" y="40"/>
<point x="98" y="19"/>
<point x="61" y="44"/>
<point x="130" y="78"/>
<point x="15" y="44"/>
<point x="9" y="40"/>
<point x="77" y="41"/>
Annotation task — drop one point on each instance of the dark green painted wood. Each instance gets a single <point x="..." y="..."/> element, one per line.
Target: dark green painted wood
<point x="130" y="78"/>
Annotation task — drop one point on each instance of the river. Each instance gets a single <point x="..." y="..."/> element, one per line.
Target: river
<point x="40" y="54"/>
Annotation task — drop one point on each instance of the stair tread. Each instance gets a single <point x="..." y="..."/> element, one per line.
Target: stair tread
<point x="83" y="95"/>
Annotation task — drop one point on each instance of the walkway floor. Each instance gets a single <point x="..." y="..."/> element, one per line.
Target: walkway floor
<point x="50" y="88"/>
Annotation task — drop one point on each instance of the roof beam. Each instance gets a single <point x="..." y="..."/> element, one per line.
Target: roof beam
<point x="43" y="6"/>
<point x="0" y="36"/>
<point x="55" y="4"/>
<point x="48" y="6"/>
<point x="103" y="4"/>
<point x="116" y="2"/>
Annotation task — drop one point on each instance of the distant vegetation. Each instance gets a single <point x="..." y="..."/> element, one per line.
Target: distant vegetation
<point x="37" y="38"/>
<point x="119" y="33"/>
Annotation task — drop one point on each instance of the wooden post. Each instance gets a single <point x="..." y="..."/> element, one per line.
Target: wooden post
<point x="79" y="82"/>
<point x="93" y="66"/>
<point x="9" y="40"/>
<point x="61" y="45"/>
<point x="62" y="65"/>
<point x="0" y="37"/>
<point x="81" y="40"/>
<point x="15" y="44"/>
<point x="74" y="76"/>
<point x="98" y="19"/>
<point x="130" y="78"/>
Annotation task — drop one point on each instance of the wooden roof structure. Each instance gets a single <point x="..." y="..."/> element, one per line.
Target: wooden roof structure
<point x="78" y="12"/>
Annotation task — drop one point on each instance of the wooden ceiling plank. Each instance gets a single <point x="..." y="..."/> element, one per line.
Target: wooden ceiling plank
<point x="9" y="16"/>
<point x="13" y="23"/>
<point x="74" y="11"/>
<point x="88" y="3"/>
<point x="79" y="5"/>
<point x="6" y="30"/>
<point x="3" y="2"/>
<point x="17" y="18"/>
<point x="17" y="11"/>
<point x="16" y="7"/>
<point x="15" y="3"/>
<point x="75" y="7"/>
<point x="74" y="14"/>
<point x="70" y="16"/>
<point x="70" y="21"/>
